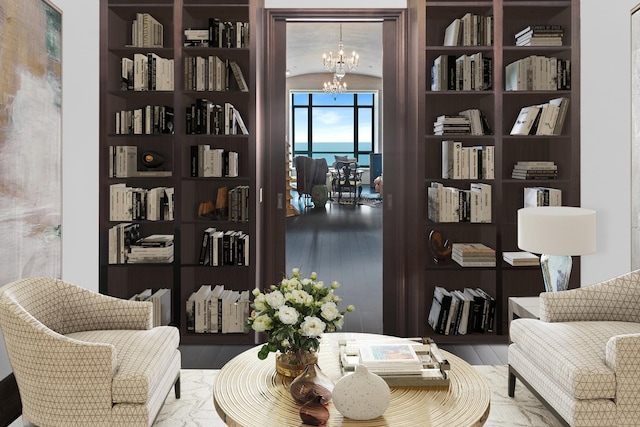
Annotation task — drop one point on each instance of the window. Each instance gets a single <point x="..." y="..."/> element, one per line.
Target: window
<point x="325" y="126"/>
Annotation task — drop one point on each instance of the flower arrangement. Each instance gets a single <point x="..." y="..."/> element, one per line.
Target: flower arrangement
<point x="295" y="313"/>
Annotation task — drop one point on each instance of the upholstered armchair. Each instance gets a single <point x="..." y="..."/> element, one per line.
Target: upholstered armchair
<point x="583" y="356"/>
<point x="85" y="359"/>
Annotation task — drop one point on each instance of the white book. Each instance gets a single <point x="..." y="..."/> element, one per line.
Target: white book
<point x="201" y="307"/>
<point x="525" y="120"/>
<point x="486" y="200"/>
<point x="213" y="325"/>
<point x="452" y="33"/>
<point x="451" y="165"/>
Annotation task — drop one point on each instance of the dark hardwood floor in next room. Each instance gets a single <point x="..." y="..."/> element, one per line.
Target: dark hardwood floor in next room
<point x="344" y="243"/>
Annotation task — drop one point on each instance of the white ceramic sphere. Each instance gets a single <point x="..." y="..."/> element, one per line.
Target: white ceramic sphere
<point x="361" y="395"/>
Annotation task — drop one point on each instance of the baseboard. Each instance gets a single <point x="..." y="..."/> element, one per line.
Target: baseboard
<point x="11" y="407"/>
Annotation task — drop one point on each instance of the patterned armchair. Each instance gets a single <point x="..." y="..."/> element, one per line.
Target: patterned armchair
<point x="583" y="356"/>
<point x="85" y="359"/>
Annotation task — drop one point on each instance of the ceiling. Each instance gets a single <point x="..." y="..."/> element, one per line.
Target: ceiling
<point x="307" y="41"/>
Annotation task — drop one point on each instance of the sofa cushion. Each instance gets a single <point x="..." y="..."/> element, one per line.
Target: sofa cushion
<point x="142" y="359"/>
<point x="572" y="352"/>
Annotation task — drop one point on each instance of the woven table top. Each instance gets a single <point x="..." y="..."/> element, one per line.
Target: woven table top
<point x="248" y="393"/>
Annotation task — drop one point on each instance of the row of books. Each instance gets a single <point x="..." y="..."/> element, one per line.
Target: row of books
<point x="134" y="203"/>
<point x="465" y="72"/>
<point x="459" y="312"/>
<point x="538" y="72"/>
<point x="220" y="248"/>
<point x="156" y="248"/>
<point x="467" y="122"/>
<point x="470" y="30"/>
<point x="460" y="162"/>
<point x="213" y="162"/>
<point x="451" y="204"/>
<point x="147" y="120"/>
<point x="204" y="117"/>
<point x="146" y="31"/>
<point x="147" y="71"/>
<point x="220" y="33"/>
<point x="540" y="35"/>
<point x="161" y="300"/>
<point x="231" y="205"/>
<point x="214" y="309"/>
<point x="542" y="119"/>
<point x="212" y="74"/>
<point x="473" y="255"/>
<point x="542" y="196"/>
<point x="123" y="163"/>
<point x="533" y="169"/>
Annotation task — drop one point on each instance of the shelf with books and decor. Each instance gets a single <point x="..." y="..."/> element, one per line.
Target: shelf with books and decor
<point x="176" y="113"/>
<point x="535" y="67"/>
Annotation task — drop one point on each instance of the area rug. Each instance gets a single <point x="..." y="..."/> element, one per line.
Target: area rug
<point x="372" y="200"/>
<point x="195" y="407"/>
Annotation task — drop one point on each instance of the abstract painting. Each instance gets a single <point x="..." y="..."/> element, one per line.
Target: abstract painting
<point x="30" y="139"/>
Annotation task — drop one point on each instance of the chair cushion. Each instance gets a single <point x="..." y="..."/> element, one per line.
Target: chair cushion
<point x="143" y="357"/>
<point x="573" y="353"/>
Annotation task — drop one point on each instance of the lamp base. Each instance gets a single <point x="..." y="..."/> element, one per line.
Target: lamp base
<point x="556" y="270"/>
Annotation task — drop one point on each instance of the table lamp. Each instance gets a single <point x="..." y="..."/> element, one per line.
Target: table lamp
<point x="557" y="233"/>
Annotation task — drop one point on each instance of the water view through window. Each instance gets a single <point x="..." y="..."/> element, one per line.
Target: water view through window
<point x="325" y="125"/>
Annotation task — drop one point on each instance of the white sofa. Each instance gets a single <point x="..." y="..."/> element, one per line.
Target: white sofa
<point x="85" y="359"/>
<point x="582" y="358"/>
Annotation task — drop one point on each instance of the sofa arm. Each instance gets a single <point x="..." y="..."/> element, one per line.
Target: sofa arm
<point x="94" y="311"/>
<point x="621" y="356"/>
<point x="616" y="299"/>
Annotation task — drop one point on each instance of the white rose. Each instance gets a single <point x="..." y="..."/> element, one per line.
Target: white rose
<point x="339" y="322"/>
<point x="260" y="303"/>
<point x="295" y="272"/>
<point x="329" y="311"/>
<point x="299" y="296"/>
<point x="312" y="327"/>
<point x="288" y="315"/>
<point x="318" y="285"/>
<point x="306" y="281"/>
<point x="275" y="299"/>
<point x="262" y="323"/>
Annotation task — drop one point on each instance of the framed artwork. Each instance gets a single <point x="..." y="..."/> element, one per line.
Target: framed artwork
<point x="30" y="139"/>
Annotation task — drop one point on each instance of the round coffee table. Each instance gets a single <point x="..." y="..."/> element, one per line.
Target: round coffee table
<point x="248" y="393"/>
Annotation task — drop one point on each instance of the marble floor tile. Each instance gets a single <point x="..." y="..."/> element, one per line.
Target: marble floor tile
<point x="195" y="406"/>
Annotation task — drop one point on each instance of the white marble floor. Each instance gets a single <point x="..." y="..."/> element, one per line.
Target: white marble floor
<point x="195" y="406"/>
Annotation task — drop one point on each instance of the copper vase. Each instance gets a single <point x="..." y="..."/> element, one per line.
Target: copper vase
<point x="314" y="413"/>
<point x="310" y="383"/>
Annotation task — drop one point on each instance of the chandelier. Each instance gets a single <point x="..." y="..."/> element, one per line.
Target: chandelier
<point x="340" y="64"/>
<point x="335" y="87"/>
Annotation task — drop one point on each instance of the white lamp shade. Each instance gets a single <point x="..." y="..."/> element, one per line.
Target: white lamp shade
<point x="557" y="230"/>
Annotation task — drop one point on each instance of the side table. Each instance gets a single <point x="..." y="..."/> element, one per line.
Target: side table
<point x="528" y="307"/>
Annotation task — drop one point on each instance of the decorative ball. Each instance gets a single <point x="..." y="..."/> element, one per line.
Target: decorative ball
<point x="361" y="395"/>
<point x="151" y="159"/>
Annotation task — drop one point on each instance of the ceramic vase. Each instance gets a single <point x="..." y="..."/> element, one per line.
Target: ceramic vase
<point x="314" y="413"/>
<point x="310" y="383"/>
<point x="292" y="364"/>
<point x="319" y="195"/>
<point x="361" y="395"/>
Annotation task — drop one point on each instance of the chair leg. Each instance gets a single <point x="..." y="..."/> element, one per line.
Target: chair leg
<point x="176" y="388"/>
<point x="512" y="384"/>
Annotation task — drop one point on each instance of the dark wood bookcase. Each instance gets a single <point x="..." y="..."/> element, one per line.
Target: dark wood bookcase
<point x="501" y="108"/>
<point x="185" y="274"/>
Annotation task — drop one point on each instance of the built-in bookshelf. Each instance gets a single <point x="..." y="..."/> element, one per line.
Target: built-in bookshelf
<point x="177" y="111"/>
<point x="448" y="51"/>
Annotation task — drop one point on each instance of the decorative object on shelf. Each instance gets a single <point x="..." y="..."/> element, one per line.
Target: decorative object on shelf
<point x="557" y="232"/>
<point x="340" y="64"/>
<point x="440" y="247"/>
<point x="206" y="210"/>
<point x="361" y="395"/>
<point x="222" y="207"/>
<point x="314" y="413"/>
<point x="310" y="383"/>
<point x="293" y="315"/>
<point x="334" y="87"/>
<point x="319" y="195"/>
<point x="151" y="160"/>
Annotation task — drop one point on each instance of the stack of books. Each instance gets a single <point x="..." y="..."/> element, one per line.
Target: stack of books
<point x="473" y="255"/>
<point x="452" y="125"/>
<point x="542" y="196"/>
<point x="535" y="170"/>
<point x="520" y="258"/>
<point x="540" y="35"/>
<point x="156" y="248"/>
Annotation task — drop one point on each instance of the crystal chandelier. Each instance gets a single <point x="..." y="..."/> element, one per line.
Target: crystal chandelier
<point x="335" y="87"/>
<point x="340" y="64"/>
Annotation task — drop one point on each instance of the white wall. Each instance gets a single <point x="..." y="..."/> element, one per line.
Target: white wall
<point x="605" y="116"/>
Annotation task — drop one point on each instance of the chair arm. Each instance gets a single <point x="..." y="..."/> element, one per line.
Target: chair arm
<point x="616" y="299"/>
<point x="621" y="355"/>
<point x="94" y="311"/>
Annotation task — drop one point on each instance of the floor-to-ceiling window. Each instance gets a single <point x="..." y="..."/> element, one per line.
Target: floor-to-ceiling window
<point x="325" y="125"/>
